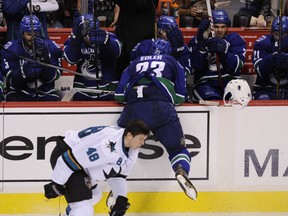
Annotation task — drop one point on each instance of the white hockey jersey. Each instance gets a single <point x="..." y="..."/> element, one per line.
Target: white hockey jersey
<point x="100" y="151"/>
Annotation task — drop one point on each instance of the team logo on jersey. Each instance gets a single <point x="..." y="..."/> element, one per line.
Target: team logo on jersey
<point x="111" y="145"/>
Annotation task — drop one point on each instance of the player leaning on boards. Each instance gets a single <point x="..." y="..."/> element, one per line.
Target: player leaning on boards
<point x="83" y="158"/>
<point x="150" y="87"/>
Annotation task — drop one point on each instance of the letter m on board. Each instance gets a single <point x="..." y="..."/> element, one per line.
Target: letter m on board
<point x="250" y="156"/>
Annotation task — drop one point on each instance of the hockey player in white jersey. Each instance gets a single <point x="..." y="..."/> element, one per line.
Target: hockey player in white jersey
<point x="83" y="158"/>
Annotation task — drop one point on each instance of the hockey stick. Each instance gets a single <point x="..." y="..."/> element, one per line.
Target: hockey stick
<point x="68" y="96"/>
<point x="96" y="48"/>
<point x="48" y="65"/>
<point x="209" y="11"/>
<point x="33" y="45"/>
<point x="205" y="102"/>
<point x="279" y="42"/>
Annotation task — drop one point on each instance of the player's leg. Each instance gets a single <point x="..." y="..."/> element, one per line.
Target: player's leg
<point x="172" y="137"/>
<point x="79" y="195"/>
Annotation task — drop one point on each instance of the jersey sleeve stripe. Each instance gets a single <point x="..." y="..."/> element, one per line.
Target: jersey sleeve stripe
<point x="70" y="161"/>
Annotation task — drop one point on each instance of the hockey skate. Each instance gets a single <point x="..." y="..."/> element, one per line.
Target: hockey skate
<point x="185" y="183"/>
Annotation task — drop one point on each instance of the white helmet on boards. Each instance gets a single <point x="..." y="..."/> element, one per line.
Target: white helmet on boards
<point x="237" y="93"/>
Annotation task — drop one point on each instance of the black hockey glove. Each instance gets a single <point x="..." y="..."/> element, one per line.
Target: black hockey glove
<point x="99" y="36"/>
<point x="31" y="70"/>
<point x="81" y="28"/>
<point x="120" y="207"/>
<point x="176" y="39"/>
<point x="281" y="61"/>
<point x="41" y="50"/>
<point x="53" y="190"/>
<point x="217" y="45"/>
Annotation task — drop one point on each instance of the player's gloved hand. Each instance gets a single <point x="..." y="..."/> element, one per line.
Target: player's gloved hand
<point x="81" y="27"/>
<point x="99" y="36"/>
<point x="41" y="49"/>
<point x="217" y="45"/>
<point x="120" y="207"/>
<point x="53" y="190"/>
<point x="31" y="70"/>
<point x="281" y="61"/>
<point x="176" y="39"/>
<point x="202" y="28"/>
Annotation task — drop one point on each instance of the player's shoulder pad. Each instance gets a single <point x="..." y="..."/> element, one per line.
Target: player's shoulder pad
<point x="235" y="38"/>
<point x="12" y="47"/>
<point x="264" y="42"/>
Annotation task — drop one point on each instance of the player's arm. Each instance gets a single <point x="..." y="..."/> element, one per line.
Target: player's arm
<point x="263" y="58"/>
<point x="112" y="49"/>
<point x="233" y="60"/>
<point x="55" y="53"/>
<point x="11" y="69"/>
<point x="72" y="50"/>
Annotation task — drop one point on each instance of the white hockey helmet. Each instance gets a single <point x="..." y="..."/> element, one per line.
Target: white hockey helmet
<point x="237" y="93"/>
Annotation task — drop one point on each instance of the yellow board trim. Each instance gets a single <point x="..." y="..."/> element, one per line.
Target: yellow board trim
<point x="157" y="202"/>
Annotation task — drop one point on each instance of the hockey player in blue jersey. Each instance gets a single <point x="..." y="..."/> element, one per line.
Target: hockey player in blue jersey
<point x="167" y="30"/>
<point x="216" y="60"/>
<point x="84" y="158"/>
<point x="271" y="63"/>
<point x="94" y="51"/>
<point x="150" y="87"/>
<point x="27" y="80"/>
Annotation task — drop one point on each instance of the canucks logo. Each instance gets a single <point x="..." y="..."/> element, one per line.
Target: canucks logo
<point x="111" y="145"/>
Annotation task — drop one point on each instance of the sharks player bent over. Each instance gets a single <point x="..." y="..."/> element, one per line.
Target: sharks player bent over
<point x="94" y="51"/>
<point x="85" y="157"/>
<point x="216" y="60"/>
<point x="28" y="80"/>
<point x="150" y="86"/>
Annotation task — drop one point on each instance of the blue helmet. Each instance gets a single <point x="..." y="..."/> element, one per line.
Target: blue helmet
<point x="25" y="24"/>
<point x="166" y="22"/>
<point x="276" y="24"/>
<point x="221" y="17"/>
<point x="160" y="47"/>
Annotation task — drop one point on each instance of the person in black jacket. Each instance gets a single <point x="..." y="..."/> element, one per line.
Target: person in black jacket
<point x="136" y="22"/>
<point x="255" y="11"/>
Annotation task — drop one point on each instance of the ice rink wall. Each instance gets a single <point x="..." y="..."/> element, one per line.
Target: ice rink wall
<point x="239" y="163"/>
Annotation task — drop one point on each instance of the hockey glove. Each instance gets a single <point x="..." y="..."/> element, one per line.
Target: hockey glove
<point x="120" y="207"/>
<point x="31" y="70"/>
<point x="41" y="50"/>
<point x="81" y="28"/>
<point x="217" y="45"/>
<point x="99" y="36"/>
<point x="176" y="39"/>
<point x="281" y="61"/>
<point x="53" y="190"/>
<point x="202" y="28"/>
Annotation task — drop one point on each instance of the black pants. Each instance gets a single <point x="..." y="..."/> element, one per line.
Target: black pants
<point x="78" y="186"/>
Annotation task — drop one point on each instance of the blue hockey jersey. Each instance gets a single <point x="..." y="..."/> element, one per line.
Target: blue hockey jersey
<point x="97" y="65"/>
<point x="163" y="71"/>
<point x="204" y="63"/>
<point x="12" y="69"/>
